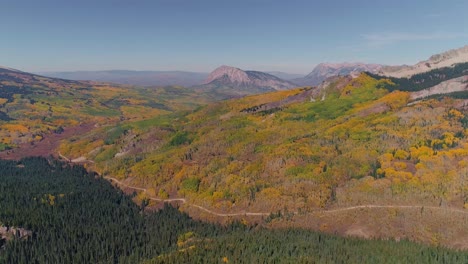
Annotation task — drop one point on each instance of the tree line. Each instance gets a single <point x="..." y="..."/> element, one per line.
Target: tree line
<point x="424" y="80"/>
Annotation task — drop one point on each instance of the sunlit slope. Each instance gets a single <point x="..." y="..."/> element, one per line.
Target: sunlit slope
<point x="352" y="142"/>
<point x="32" y="106"/>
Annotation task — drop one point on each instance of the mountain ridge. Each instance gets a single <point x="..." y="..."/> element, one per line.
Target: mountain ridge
<point x="445" y="59"/>
<point x="325" y="70"/>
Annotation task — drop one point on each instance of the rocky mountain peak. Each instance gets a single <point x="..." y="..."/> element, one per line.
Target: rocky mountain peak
<point x="228" y="82"/>
<point x="460" y="53"/>
<point x="234" y="75"/>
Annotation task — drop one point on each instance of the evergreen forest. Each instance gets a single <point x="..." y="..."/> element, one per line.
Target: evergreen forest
<point x="75" y="216"/>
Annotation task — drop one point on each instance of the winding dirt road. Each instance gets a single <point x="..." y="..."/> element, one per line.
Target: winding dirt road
<point x="350" y="208"/>
<point x="183" y="200"/>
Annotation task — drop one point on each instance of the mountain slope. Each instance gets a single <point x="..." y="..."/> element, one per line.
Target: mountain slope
<point x="445" y="59"/>
<point x="325" y="70"/>
<point x="32" y="106"/>
<point x="360" y="144"/>
<point x="227" y="82"/>
<point x="143" y="78"/>
<point x="452" y="86"/>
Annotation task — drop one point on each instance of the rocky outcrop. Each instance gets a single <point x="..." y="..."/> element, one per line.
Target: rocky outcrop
<point x="454" y="85"/>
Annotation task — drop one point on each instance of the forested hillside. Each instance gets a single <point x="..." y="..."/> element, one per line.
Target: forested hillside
<point x="77" y="217"/>
<point x="348" y="142"/>
<point x="303" y="154"/>
<point x="354" y="142"/>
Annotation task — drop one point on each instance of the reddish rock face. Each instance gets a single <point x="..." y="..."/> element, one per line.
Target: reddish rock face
<point x="231" y="76"/>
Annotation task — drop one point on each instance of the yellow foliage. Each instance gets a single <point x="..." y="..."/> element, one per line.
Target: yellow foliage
<point x="463" y="164"/>
<point x="450" y="139"/>
<point x="385" y="160"/>
<point x="6" y="140"/>
<point x="387" y="157"/>
<point x="180" y="175"/>
<point x="401" y="154"/>
<point x="395" y="100"/>
<point x="399" y="165"/>
<point x="420" y="166"/>
<point x="270" y="193"/>
<point x="397" y="176"/>
<point x="418" y="152"/>
<point x="151" y="191"/>
<point x="51" y="199"/>
<point x="163" y="194"/>
<point x="218" y="195"/>
<point x="15" y="128"/>
<point x="459" y="152"/>
<point x="259" y="99"/>
<point x="455" y="114"/>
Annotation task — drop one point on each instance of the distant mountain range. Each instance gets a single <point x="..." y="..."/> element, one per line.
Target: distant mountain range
<point x="326" y="70"/>
<point x="248" y="82"/>
<point x="187" y="79"/>
<point x="147" y="78"/>
<point x="142" y="78"/>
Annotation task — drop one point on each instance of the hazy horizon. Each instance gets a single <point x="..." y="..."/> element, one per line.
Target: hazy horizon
<point x="293" y="37"/>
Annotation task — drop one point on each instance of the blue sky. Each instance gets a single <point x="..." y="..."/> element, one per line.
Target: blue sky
<point x="199" y="35"/>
